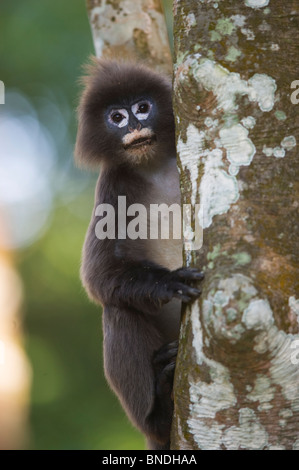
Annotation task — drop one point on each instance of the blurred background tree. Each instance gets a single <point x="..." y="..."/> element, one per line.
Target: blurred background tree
<point x="46" y="204"/>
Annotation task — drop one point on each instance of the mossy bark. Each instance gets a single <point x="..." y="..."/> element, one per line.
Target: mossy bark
<point x="131" y="29"/>
<point x="237" y="378"/>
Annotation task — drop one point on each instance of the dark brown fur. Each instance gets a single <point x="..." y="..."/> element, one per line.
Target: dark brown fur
<point x="139" y="295"/>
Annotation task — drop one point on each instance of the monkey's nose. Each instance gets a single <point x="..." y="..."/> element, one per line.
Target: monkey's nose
<point x="138" y="127"/>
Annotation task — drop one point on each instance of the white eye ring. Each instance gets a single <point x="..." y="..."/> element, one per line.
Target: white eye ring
<point x="141" y="116"/>
<point x="122" y="112"/>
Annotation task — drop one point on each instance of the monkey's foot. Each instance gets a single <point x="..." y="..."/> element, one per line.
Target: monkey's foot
<point x="175" y="285"/>
<point x="163" y="362"/>
<point x="165" y="355"/>
<point x="164" y="365"/>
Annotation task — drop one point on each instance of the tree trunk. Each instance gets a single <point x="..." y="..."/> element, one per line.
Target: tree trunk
<point x="237" y="378"/>
<point x="131" y="29"/>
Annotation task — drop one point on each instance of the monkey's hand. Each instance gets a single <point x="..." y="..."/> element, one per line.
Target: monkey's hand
<point x="175" y="284"/>
<point x="142" y="285"/>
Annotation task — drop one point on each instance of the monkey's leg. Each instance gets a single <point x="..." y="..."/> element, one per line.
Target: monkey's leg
<point x="130" y="340"/>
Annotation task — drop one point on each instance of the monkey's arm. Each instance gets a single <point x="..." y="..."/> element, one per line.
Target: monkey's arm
<point x="110" y="274"/>
<point x="142" y="285"/>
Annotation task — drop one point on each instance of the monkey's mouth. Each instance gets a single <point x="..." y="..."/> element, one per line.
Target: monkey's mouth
<point x="139" y="139"/>
<point x="141" y="142"/>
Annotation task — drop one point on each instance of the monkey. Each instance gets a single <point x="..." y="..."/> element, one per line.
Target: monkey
<point x="126" y="130"/>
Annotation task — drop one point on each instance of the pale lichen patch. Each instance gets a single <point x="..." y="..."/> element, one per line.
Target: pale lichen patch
<point x="215" y="252"/>
<point x="283" y="372"/>
<point x="216" y="396"/>
<point x="278" y="345"/>
<point x="225" y="26"/>
<point x="232" y="54"/>
<point x="242" y="258"/>
<point x="296" y="445"/>
<point x="265" y="406"/>
<point x="215" y="36"/>
<point x="218" y="190"/>
<point x="211" y="123"/>
<point x="205" y="401"/>
<point x="280" y="115"/>
<point x="190" y="21"/>
<point x="197" y="333"/>
<point x="294" y="306"/>
<point x="262" y="392"/>
<point x="249" y="122"/>
<point x="248" y="33"/>
<point x="289" y="142"/>
<point x="222" y="307"/>
<point x="250" y="434"/>
<point x="256" y="4"/>
<point x="285" y="413"/>
<point x="189" y="153"/>
<point x="258" y="315"/>
<point x="268" y="151"/>
<point x="239" y="148"/>
<point x="226" y="85"/>
<point x="275" y="47"/>
<point x="263" y="88"/>
<point x="276" y="447"/>
<point x="279" y="152"/>
<point x="207" y="436"/>
<point x="238" y="20"/>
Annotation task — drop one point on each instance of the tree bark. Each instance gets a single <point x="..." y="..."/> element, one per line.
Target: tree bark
<point x="131" y="29"/>
<point x="237" y="377"/>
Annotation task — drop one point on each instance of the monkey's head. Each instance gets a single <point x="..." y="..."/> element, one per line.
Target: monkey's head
<point x="125" y="115"/>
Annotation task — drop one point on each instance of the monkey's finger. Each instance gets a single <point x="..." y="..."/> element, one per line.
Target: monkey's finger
<point x="186" y="295"/>
<point x="183" y="298"/>
<point x="190" y="274"/>
<point x="187" y="290"/>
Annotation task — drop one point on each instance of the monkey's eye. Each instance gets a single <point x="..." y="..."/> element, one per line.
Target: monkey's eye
<point x="141" y="110"/>
<point x="119" y="117"/>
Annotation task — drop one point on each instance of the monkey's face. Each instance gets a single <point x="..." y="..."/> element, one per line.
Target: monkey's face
<point x="133" y="125"/>
<point x="125" y="116"/>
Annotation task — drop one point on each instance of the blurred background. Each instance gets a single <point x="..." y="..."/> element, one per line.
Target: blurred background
<point x="53" y="394"/>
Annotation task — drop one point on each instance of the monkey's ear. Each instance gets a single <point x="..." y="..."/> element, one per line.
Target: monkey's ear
<point x="92" y="144"/>
<point x="84" y="150"/>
